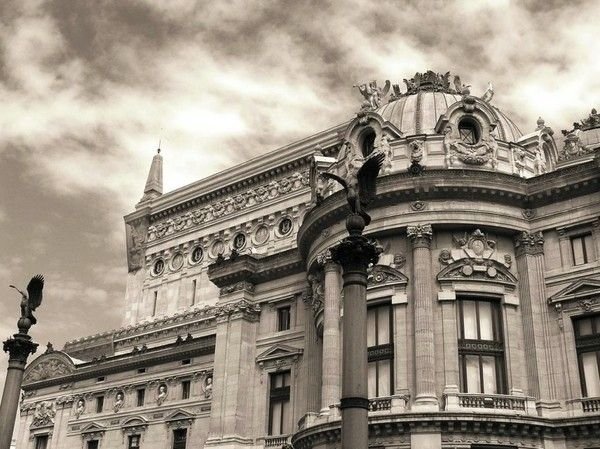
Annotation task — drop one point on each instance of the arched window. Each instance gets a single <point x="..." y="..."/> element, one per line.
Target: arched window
<point x="469" y="131"/>
<point x="367" y="142"/>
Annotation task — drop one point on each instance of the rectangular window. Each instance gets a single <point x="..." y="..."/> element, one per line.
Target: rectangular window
<point x="583" y="249"/>
<point x="587" y="342"/>
<point x="99" y="404"/>
<point x="193" y="292"/>
<point x="154" y="303"/>
<point x="141" y="393"/>
<point x="481" y="347"/>
<point x="185" y="389"/>
<point x="380" y="348"/>
<point x="279" y="404"/>
<point x="41" y="442"/>
<point x="179" y="438"/>
<point x="92" y="444"/>
<point x="283" y="318"/>
<point x="134" y="442"/>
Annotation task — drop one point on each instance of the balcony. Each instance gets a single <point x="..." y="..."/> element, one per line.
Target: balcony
<point x="510" y="404"/>
<point x="590" y="405"/>
<point x="277" y="440"/>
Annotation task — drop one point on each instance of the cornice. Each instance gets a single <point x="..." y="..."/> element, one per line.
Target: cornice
<point x="443" y="184"/>
<point x="247" y="268"/>
<point x="272" y="164"/>
<point x="130" y="361"/>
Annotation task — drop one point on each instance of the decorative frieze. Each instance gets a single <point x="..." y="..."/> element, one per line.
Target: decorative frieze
<point x="245" y="308"/>
<point x="44" y="414"/>
<point x="229" y="205"/>
<point x="244" y="286"/>
<point x="531" y="243"/>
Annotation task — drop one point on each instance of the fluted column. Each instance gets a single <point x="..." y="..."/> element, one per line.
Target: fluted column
<point x="330" y="389"/>
<point x="536" y="320"/>
<point x="420" y="236"/>
<point x="311" y="358"/>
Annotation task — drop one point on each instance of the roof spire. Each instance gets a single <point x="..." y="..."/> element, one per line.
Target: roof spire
<point x="154" y="183"/>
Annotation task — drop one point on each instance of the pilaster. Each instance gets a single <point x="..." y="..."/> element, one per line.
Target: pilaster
<point x="536" y="321"/>
<point x="420" y="237"/>
<point x="330" y="390"/>
<point x="312" y="359"/>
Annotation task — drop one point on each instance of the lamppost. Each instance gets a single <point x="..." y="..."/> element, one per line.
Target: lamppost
<point x="355" y="253"/>
<point x="19" y="347"/>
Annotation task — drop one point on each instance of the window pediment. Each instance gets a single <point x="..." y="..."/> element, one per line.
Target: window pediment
<point x="279" y="355"/>
<point x="584" y="292"/>
<point x="180" y="418"/>
<point x="489" y="271"/>
<point x="384" y="275"/>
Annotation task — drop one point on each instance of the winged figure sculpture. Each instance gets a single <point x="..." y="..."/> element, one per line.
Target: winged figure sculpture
<point x="33" y="298"/>
<point x="361" y="186"/>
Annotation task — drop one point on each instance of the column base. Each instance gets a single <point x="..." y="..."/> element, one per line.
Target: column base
<point x="426" y="403"/>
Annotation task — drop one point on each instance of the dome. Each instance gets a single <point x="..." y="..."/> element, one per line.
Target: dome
<point x="418" y="110"/>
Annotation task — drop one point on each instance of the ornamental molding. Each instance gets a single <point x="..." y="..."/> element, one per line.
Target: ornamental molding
<point x="134" y="425"/>
<point x="44" y="414"/>
<point x="242" y="286"/>
<point x="243" y="308"/>
<point x="92" y="431"/>
<point x="380" y="275"/>
<point x="279" y="356"/>
<point x="474" y="257"/>
<point x="136" y="232"/>
<point x="229" y="205"/>
<point x="315" y="297"/>
<point x="48" y="366"/>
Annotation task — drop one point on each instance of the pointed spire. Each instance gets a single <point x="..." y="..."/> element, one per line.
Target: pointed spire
<point x="154" y="183"/>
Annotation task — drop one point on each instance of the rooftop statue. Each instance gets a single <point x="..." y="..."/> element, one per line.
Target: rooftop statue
<point x="372" y="94"/>
<point x="593" y="120"/>
<point x="33" y="298"/>
<point x="360" y="184"/>
<point x="489" y="93"/>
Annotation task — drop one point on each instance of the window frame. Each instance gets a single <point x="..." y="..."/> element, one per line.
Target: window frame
<point x="280" y="324"/>
<point x="177" y="444"/>
<point x="130" y="439"/>
<point x="482" y="347"/>
<point x="99" y="403"/>
<point x="38" y="440"/>
<point x="470" y="123"/>
<point x="140" y="397"/>
<point x="279" y="395"/>
<point x="384" y="351"/>
<point x="587" y="258"/>
<point x="186" y="393"/>
<point x="586" y="344"/>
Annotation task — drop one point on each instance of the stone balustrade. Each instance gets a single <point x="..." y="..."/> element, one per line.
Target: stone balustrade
<point x="277" y="440"/>
<point x="496" y="402"/>
<point x="590" y="405"/>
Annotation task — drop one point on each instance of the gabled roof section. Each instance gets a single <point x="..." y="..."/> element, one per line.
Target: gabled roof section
<point x="134" y="421"/>
<point x="179" y="415"/>
<point x="278" y="351"/>
<point x="580" y="289"/>
<point x="385" y="275"/>
<point x="93" y="427"/>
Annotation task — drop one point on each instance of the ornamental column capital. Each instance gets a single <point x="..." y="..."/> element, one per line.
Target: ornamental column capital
<point x="324" y="259"/>
<point x="531" y="243"/>
<point x="19" y="348"/>
<point x="420" y="235"/>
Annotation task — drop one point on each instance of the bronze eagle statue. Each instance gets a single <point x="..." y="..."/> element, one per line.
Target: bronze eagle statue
<point x="361" y="187"/>
<point x="33" y="298"/>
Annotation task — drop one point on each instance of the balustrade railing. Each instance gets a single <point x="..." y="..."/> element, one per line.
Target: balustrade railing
<point x="493" y="401"/>
<point x="590" y="405"/>
<point x="378" y="404"/>
<point x="276" y="441"/>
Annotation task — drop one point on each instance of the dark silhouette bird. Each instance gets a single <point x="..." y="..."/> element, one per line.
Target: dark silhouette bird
<point x="33" y="298"/>
<point x="361" y="188"/>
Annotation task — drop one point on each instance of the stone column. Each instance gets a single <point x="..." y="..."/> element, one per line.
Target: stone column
<point x="354" y="254"/>
<point x="330" y="387"/>
<point x="536" y="321"/>
<point x="420" y="236"/>
<point x="18" y="349"/>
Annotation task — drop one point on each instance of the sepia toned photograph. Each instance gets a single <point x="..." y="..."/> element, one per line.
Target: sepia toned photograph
<point x="300" y="224"/>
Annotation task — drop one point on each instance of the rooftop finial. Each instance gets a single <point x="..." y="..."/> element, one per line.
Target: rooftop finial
<point x="158" y="151"/>
<point x="154" y="183"/>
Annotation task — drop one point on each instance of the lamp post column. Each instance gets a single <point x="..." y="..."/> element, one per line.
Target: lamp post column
<point x="355" y="253"/>
<point x="18" y="349"/>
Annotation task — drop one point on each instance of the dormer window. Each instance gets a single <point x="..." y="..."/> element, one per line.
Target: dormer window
<point x="469" y="131"/>
<point x="367" y="142"/>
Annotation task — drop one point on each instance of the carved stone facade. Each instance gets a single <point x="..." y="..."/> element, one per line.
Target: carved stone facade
<point x="234" y="299"/>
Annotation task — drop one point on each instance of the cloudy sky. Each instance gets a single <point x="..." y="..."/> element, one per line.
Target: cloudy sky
<point x="89" y="88"/>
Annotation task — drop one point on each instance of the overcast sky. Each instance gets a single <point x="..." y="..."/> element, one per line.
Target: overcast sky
<point x="89" y="87"/>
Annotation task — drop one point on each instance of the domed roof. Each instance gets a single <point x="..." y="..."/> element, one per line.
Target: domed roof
<point x="418" y="110"/>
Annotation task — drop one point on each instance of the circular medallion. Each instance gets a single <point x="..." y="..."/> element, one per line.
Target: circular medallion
<point x="467" y="270"/>
<point x="478" y="247"/>
<point x="261" y="235"/>
<point x="239" y="241"/>
<point x="492" y="272"/>
<point x="177" y="262"/>
<point x="285" y="226"/>
<point x="159" y="267"/>
<point x="217" y="248"/>
<point x="197" y="254"/>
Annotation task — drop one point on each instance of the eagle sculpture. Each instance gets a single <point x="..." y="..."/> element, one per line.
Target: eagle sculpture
<point x="33" y="298"/>
<point x="361" y="187"/>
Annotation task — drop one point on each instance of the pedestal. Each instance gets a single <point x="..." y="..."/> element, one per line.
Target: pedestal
<point x="18" y="349"/>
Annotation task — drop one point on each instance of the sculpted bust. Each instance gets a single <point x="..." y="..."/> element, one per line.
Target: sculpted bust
<point x="162" y="394"/>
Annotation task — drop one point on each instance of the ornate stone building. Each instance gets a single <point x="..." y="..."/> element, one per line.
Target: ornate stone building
<point x="483" y="310"/>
